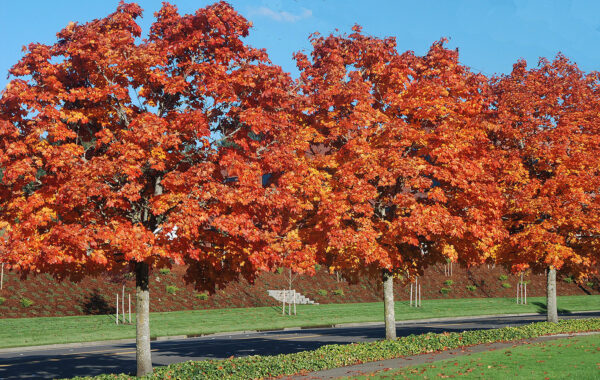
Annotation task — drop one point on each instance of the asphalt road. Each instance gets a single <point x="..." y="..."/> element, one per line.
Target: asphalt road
<point x="120" y="357"/>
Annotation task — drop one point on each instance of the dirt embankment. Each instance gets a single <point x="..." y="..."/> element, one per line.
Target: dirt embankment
<point x="42" y="295"/>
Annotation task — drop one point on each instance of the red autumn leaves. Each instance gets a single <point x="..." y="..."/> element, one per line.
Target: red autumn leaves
<point x="548" y="126"/>
<point x="189" y="146"/>
<point x="116" y="151"/>
<point x="404" y="155"/>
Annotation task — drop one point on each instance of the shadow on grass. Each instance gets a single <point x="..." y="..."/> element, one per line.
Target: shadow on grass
<point x="543" y="309"/>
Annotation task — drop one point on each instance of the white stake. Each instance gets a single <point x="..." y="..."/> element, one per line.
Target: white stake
<point x="522" y="289"/>
<point x="283" y="308"/>
<point x="123" y="303"/>
<point x="2" y="277"/>
<point x="525" y="294"/>
<point x="416" y="292"/>
<point x="411" y="291"/>
<point x="117" y="314"/>
<point x="294" y="302"/>
<point x="129" y="303"/>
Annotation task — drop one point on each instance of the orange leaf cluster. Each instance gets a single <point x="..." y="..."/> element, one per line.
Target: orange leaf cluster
<point x="116" y="149"/>
<point x="190" y="146"/>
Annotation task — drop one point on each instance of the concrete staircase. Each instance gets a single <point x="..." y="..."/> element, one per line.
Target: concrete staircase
<point x="289" y="297"/>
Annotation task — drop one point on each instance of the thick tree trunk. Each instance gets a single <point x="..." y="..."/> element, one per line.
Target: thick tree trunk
<point x="551" y="296"/>
<point x="142" y="309"/>
<point x="388" y="305"/>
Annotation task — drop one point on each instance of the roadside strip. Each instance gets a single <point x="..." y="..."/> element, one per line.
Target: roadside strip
<point x="233" y="333"/>
<point x="424" y="358"/>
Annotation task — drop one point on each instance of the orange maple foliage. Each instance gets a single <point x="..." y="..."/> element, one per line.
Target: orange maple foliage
<point x="116" y="149"/>
<point x="403" y="172"/>
<point x="548" y="125"/>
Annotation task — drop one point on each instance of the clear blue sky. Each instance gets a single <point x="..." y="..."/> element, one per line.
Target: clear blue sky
<point x="490" y="34"/>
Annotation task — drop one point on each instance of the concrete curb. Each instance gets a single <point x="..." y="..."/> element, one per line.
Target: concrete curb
<point x="242" y="332"/>
<point x="67" y="345"/>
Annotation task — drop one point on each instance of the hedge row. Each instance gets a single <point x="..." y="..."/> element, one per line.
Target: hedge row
<point x="333" y="356"/>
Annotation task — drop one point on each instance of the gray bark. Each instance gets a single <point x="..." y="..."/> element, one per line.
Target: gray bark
<point x="551" y="296"/>
<point x="142" y="309"/>
<point x="388" y="305"/>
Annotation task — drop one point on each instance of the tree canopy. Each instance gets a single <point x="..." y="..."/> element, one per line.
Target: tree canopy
<point x="117" y="149"/>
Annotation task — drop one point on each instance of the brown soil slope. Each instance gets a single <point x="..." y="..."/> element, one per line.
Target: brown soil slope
<point x="42" y="295"/>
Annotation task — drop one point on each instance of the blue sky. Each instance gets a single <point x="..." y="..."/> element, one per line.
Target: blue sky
<point x="490" y="34"/>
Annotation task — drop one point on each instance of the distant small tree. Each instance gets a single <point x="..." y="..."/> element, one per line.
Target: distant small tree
<point x="547" y="124"/>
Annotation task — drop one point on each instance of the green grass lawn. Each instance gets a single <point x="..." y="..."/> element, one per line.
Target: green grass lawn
<point x="569" y="358"/>
<point x="50" y="330"/>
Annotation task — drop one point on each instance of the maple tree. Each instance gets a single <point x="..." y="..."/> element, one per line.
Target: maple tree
<point x="548" y="127"/>
<point x="119" y="153"/>
<point x="400" y="171"/>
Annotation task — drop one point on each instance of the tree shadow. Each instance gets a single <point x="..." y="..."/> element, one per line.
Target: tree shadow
<point x="95" y="304"/>
<point x="543" y="309"/>
<point x="480" y="286"/>
<point x="584" y="290"/>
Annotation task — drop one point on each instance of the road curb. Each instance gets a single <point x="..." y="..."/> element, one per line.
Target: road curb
<point x="66" y="345"/>
<point x="242" y="332"/>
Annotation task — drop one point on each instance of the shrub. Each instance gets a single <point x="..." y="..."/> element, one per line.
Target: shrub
<point x="444" y="290"/>
<point x="317" y="267"/>
<point x="202" y="296"/>
<point x="279" y="270"/>
<point x="503" y="277"/>
<point x="26" y="302"/>
<point x="322" y="292"/>
<point x="164" y="271"/>
<point x="2" y="300"/>
<point x="471" y="288"/>
<point x="568" y="280"/>
<point x="338" y="292"/>
<point x="448" y="282"/>
<point x="506" y="285"/>
<point x="589" y="283"/>
<point x="172" y="289"/>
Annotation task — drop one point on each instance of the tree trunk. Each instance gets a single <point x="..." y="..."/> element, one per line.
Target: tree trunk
<point x="142" y="309"/>
<point x="551" y="296"/>
<point x="388" y="305"/>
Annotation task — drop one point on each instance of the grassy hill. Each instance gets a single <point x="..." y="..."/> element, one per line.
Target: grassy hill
<point x="42" y="295"/>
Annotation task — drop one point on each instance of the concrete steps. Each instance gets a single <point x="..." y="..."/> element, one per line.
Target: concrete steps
<point x="289" y="297"/>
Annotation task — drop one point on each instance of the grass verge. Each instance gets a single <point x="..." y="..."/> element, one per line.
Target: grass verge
<point x="54" y="330"/>
<point x="333" y="356"/>
<point x="569" y="358"/>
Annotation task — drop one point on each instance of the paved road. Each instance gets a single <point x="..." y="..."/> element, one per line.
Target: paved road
<point x="120" y="357"/>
